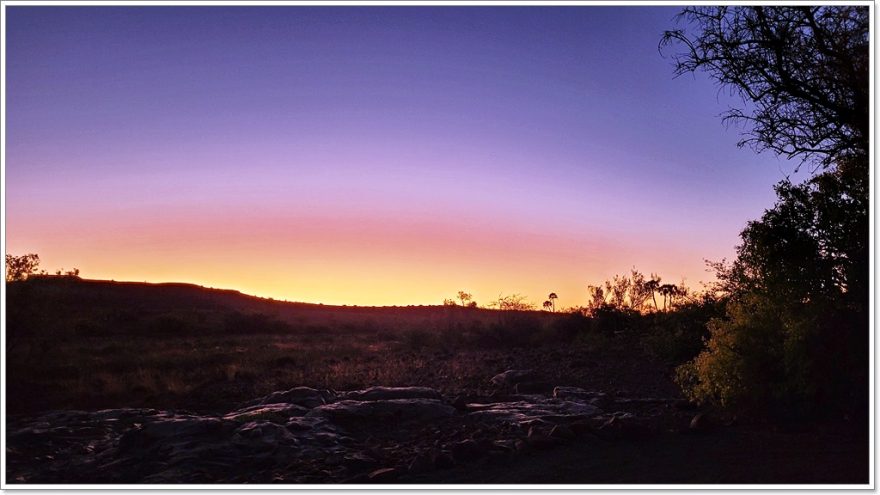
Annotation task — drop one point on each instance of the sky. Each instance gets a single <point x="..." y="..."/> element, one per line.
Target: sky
<point x="369" y="155"/>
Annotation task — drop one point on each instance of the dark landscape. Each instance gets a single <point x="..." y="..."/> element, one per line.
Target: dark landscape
<point x="173" y="383"/>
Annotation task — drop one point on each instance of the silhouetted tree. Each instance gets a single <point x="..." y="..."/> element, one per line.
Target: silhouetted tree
<point x="804" y="70"/>
<point x="667" y="291"/>
<point x="552" y="297"/>
<point x="796" y="330"/>
<point x="548" y="306"/>
<point x="595" y="298"/>
<point x="464" y="297"/>
<point x="513" y="302"/>
<point x="639" y="290"/>
<point x="652" y="285"/>
<point x="632" y="292"/>
<point x="618" y="288"/>
<point x="18" y="268"/>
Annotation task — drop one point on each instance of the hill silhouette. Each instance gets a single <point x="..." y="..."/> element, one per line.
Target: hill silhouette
<point x="101" y="343"/>
<point x="184" y="296"/>
<point x="52" y="307"/>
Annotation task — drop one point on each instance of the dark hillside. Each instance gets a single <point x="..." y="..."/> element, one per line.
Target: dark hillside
<point x="90" y="344"/>
<point x="167" y="296"/>
<point x="51" y="305"/>
<point x="111" y="365"/>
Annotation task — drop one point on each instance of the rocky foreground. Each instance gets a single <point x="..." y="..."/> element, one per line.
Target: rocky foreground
<point x="306" y="435"/>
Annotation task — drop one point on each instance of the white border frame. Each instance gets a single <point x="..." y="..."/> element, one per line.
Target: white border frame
<point x="4" y="484"/>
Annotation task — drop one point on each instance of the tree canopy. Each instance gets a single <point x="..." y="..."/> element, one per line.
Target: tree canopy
<point x="18" y="268"/>
<point x="801" y="70"/>
<point x="795" y="336"/>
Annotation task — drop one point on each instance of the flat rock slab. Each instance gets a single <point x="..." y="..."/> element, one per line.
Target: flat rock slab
<point x="391" y="393"/>
<point x="352" y="411"/>
<point x="524" y="412"/>
<point x="576" y="393"/>
<point x="302" y="396"/>
<point x="280" y="412"/>
<point x="301" y="435"/>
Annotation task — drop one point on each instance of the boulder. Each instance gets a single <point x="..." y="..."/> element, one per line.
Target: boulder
<point x="104" y="415"/>
<point x="263" y="433"/>
<point x="352" y="412"/>
<point x="460" y="402"/>
<point x="576" y="393"/>
<point x="302" y="396"/>
<point x="525" y="412"/>
<point x="181" y="427"/>
<point x="278" y="413"/>
<point x="390" y="393"/>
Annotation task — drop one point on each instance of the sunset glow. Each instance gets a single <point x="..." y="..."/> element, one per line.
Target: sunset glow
<point x="371" y="155"/>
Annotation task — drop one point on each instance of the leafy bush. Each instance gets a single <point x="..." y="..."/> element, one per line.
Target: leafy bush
<point x="794" y="363"/>
<point x="795" y="340"/>
<point x="741" y="366"/>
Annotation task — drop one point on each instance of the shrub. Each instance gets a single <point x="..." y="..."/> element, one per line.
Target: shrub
<point x="741" y="364"/>
<point x="768" y="359"/>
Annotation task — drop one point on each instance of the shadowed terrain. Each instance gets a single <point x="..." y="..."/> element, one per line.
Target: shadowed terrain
<point x="173" y="383"/>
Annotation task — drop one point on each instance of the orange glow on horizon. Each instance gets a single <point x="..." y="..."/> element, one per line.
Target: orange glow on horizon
<point x="359" y="261"/>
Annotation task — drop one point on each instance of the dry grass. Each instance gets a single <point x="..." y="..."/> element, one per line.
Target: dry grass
<point x="215" y="373"/>
<point x="69" y="349"/>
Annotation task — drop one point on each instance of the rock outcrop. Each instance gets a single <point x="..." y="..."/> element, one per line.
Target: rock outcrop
<point x="300" y="435"/>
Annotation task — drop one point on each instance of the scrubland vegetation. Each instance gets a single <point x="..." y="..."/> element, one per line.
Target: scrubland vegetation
<point x="86" y="344"/>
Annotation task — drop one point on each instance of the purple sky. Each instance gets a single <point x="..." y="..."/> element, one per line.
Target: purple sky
<point x="369" y="155"/>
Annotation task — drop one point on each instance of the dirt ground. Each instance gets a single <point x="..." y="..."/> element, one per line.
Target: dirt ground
<point x="819" y="453"/>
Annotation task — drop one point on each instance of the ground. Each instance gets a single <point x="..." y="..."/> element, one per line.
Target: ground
<point x="113" y="385"/>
